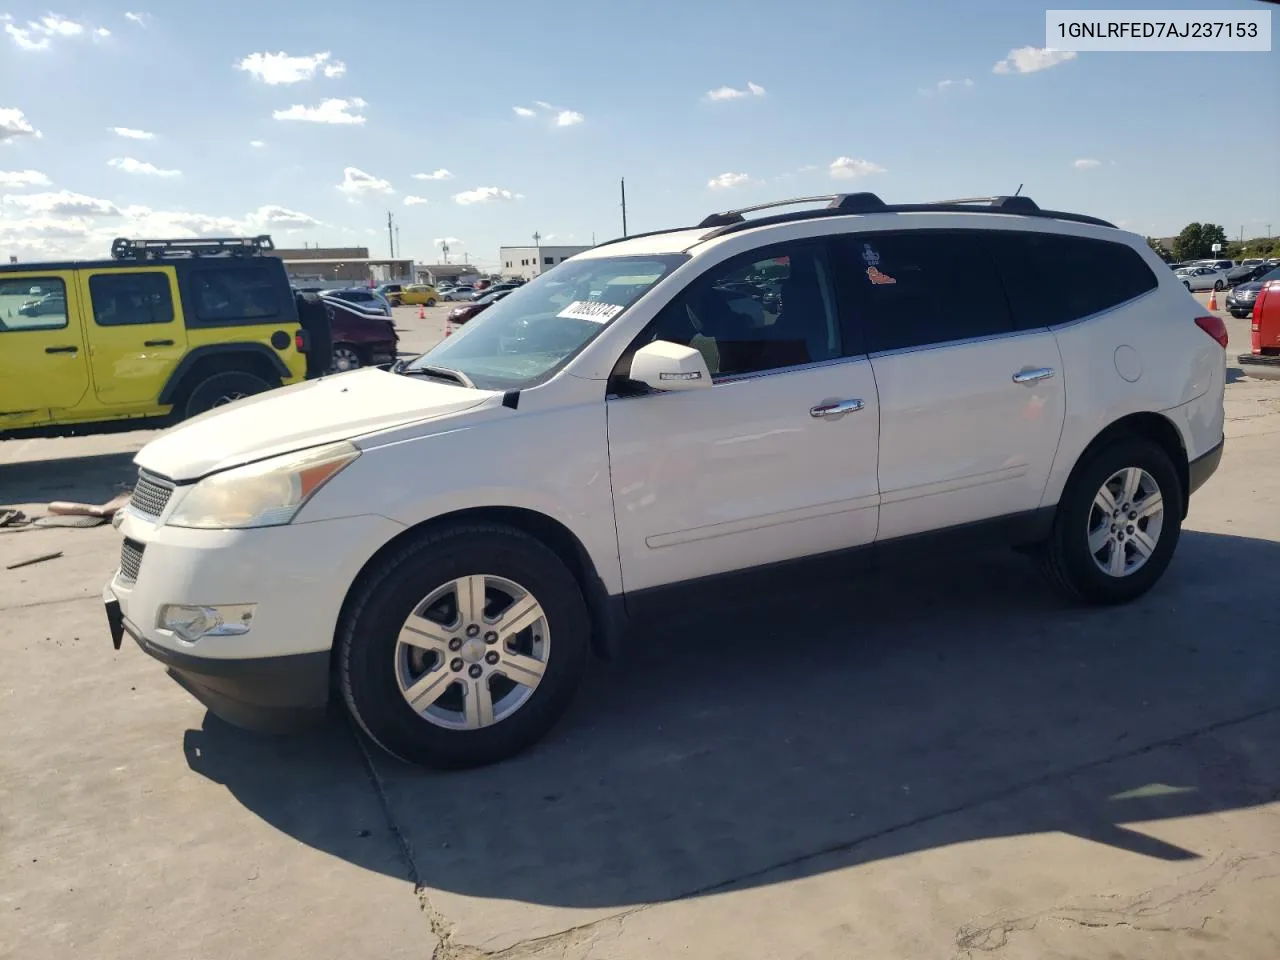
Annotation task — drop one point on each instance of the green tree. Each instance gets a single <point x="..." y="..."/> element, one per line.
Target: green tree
<point x="1196" y="241"/>
<point x="1161" y="252"/>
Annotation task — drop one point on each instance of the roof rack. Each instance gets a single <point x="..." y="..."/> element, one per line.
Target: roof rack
<point x="122" y="248"/>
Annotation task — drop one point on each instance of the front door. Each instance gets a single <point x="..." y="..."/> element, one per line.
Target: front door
<point x="971" y="409"/>
<point x="777" y="459"/>
<point x="43" y="368"/>
<point x="136" y="332"/>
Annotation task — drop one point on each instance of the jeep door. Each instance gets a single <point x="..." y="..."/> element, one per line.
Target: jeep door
<point x="43" y="367"/>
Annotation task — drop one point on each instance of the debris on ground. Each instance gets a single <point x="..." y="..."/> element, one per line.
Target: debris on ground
<point x="30" y="560"/>
<point x="65" y="513"/>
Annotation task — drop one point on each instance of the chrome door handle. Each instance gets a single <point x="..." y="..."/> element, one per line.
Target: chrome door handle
<point x="1033" y="376"/>
<point x="835" y="409"/>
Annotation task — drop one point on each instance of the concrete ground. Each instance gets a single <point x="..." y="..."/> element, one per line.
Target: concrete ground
<point x="941" y="760"/>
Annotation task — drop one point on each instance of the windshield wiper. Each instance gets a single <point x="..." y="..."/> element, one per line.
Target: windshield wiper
<point x="443" y="373"/>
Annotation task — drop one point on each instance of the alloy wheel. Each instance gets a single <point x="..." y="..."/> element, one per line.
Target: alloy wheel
<point x="345" y="358"/>
<point x="472" y="652"/>
<point x="1125" y="522"/>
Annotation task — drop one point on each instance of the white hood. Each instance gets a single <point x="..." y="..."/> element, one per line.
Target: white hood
<point x="306" y="414"/>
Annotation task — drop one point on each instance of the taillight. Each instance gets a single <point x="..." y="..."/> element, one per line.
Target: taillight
<point x="1257" y="308"/>
<point x="297" y="342"/>
<point x="1215" y="327"/>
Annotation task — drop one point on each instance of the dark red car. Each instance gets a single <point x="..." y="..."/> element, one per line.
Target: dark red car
<point x="468" y="310"/>
<point x="358" y="338"/>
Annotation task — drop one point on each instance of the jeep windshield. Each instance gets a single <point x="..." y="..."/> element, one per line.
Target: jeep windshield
<point x="535" y="329"/>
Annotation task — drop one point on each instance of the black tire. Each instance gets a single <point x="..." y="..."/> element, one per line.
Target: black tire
<point x="1218" y="284"/>
<point x="350" y="356"/>
<point x="431" y="301"/>
<point x="368" y="633"/>
<point x="222" y="388"/>
<point x="1066" y="560"/>
<point x="1186" y="284"/>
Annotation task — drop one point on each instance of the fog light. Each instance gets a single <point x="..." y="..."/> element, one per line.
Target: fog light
<point x="192" y="622"/>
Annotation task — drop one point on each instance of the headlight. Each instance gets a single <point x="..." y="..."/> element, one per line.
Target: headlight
<point x="265" y="494"/>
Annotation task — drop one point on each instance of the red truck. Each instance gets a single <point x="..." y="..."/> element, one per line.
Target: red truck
<point x="1265" y="328"/>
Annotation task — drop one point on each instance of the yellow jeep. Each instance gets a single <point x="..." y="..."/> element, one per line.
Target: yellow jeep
<point x="165" y="327"/>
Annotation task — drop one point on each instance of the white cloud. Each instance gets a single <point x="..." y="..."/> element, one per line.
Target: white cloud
<point x="412" y="201"/>
<point x="132" y="134"/>
<point x="965" y="84"/>
<point x="563" y="117"/>
<point x="278" y="68"/>
<point x="451" y="241"/>
<point x="1031" y="59"/>
<point x="14" y="124"/>
<point x="16" y="179"/>
<point x="142" y="167"/>
<point x="356" y="183"/>
<point x="138" y="18"/>
<point x="101" y="33"/>
<point x="733" y="93"/>
<point x="1086" y="163"/>
<point x="257" y="143"/>
<point x="277" y="216"/>
<point x="484" y="195"/>
<point x="543" y="104"/>
<point x="524" y="112"/>
<point x="334" y="110"/>
<point x="38" y="34"/>
<point x="808" y="168"/>
<point x="568" y="118"/>
<point x="63" y="203"/>
<point x="441" y="174"/>
<point x="727" y="180"/>
<point x="846" y="168"/>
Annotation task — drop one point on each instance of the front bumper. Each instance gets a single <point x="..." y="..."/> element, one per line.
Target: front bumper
<point x="276" y="676"/>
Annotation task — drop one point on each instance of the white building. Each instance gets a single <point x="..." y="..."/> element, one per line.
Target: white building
<point x="529" y="261"/>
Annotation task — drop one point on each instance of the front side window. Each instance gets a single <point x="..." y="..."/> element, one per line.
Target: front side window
<point x="921" y="288"/>
<point x="123" y="299"/>
<point x="530" y="332"/>
<point x="766" y="310"/>
<point x="234" y="294"/>
<point x="32" y="303"/>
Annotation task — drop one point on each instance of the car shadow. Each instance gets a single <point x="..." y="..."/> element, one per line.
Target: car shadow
<point x="91" y="479"/>
<point x="930" y="702"/>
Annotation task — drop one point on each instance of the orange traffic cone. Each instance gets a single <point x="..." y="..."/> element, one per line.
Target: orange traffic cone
<point x="448" y="327"/>
<point x="1213" y="299"/>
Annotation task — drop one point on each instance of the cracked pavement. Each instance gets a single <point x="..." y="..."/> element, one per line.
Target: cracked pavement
<point x="933" y="759"/>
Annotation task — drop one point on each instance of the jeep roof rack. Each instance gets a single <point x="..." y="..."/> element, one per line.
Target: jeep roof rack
<point x="123" y="248"/>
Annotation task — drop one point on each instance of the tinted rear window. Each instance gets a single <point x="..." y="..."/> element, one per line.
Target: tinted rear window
<point x="1053" y="279"/>
<point x="234" y="294"/>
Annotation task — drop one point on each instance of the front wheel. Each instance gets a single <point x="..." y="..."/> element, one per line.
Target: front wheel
<point x="1187" y="285"/>
<point x="1117" y="524"/>
<point x="464" y="647"/>
<point x="431" y="301"/>
<point x="1218" y="284"/>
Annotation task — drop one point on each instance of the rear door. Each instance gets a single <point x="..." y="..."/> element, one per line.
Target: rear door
<point x="243" y="302"/>
<point x="971" y="408"/>
<point x="135" y="330"/>
<point x="43" y="364"/>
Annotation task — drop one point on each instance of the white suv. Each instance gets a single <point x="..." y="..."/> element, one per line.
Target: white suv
<point x="443" y="545"/>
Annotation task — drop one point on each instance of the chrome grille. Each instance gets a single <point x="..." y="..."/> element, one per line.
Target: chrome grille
<point x="130" y="559"/>
<point x="150" y="497"/>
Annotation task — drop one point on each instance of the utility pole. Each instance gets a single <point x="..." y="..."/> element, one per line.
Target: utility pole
<point x="537" y="252"/>
<point x="624" y="206"/>
<point x="398" y="250"/>
<point x="444" y="250"/>
<point x="391" y="239"/>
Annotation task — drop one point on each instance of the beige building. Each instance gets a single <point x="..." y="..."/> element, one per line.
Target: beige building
<point x="347" y="265"/>
<point x="530" y="261"/>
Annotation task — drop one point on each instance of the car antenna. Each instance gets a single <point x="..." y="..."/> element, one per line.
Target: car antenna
<point x="1019" y="190"/>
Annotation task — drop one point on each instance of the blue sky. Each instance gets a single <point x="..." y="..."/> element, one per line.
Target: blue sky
<point x="823" y="97"/>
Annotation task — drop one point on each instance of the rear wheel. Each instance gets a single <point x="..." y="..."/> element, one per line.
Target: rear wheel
<point x="431" y="301"/>
<point x="219" y="389"/>
<point x="346" y="357"/>
<point x="1218" y="284"/>
<point x="463" y="648"/>
<point x="1186" y="284"/>
<point x="1117" y="524"/>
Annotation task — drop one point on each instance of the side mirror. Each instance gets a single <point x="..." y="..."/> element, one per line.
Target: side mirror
<point x="663" y="365"/>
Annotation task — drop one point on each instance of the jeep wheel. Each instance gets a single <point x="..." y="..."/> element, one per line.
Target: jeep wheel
<point x="223" y="388"/>
<point x="346" y="357"/>
<point x="464" y="647"/>
<point x="1117" y="524"/>
<point x="431" y="301"/>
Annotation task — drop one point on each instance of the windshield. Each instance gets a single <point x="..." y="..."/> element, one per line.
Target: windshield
<point x="1270" y="275"/>
<point x="538" y="326"/>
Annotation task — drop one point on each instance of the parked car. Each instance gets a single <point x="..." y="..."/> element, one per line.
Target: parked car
<point x="421" y="293"/>
<point x="362" y="297"/>
<point x="1241" y="298"/>
<point x="468" y="310"/>
<point x="1223" y="265"/>
<point x="360" y="338"/>
<point x="629" y="433"/>
<point x="1245" y="274"/>
<point x="462" y="291"/>
<point x="390" y="292"/>
<point x="163" y="328"/>
<point x="1202" y="278"/>
<point x="478" y="294"/>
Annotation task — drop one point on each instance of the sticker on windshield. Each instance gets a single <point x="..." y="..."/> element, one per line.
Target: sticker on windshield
<point x="594" y="310"/>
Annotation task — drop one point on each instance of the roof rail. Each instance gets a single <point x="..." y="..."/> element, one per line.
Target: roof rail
<point x="123" y="248"/>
